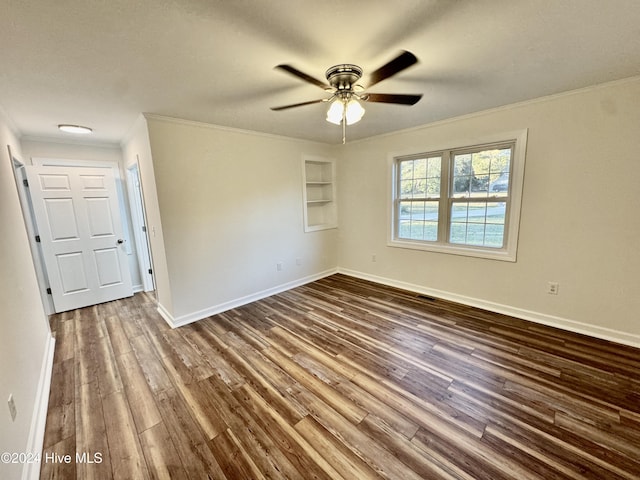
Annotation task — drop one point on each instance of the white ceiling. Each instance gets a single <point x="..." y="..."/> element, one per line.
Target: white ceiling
<point x="101" y="63"/>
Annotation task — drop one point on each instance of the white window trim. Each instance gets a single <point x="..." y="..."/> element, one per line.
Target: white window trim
<point x="509" y="251"/>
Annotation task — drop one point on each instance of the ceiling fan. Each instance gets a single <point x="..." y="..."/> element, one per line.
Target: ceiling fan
<point x="345" y="92"/>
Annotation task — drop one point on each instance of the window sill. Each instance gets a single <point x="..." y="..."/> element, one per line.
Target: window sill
<point x="501" y="254"/>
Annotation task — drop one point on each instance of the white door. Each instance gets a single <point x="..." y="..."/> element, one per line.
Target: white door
<point x="78" y="221"/>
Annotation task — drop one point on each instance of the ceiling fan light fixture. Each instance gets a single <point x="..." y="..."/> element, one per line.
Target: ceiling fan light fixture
<point x="335" y="112"/>
<point x="78" y="129"/>
<point x="354" y="111"/>
<point x="341" y="109"/>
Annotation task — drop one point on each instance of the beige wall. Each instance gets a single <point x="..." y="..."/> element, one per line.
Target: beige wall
<point x="231" y="209"/>
<point x="579" y="226"/>
<point x="136" y="149"/>
<point x="24" y="330"/>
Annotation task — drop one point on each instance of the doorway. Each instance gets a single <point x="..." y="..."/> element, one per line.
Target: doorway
<point x="140" y="231"/>
<point x="108" y="259"/>
<point x="80" y="230"/>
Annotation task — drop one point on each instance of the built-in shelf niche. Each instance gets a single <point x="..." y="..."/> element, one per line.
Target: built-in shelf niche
<point x="319" y="191"/>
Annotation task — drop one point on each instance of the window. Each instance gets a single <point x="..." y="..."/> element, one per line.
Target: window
<point x="463" y="200"/>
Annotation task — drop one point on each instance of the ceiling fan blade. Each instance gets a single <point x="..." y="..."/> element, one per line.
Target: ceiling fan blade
<point x="307" y="78"/>
<point x="293" y="105"/>
<point x="392" y="98"/>
<point x="402" y="61"/>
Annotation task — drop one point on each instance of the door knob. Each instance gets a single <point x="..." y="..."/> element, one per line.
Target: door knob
<point x="120" y="241"/>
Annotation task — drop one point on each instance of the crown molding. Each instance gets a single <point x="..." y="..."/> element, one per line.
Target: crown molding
<point x="222" y="128"/>
<point x="504" y="108"/>
<point x="68" y="141"/>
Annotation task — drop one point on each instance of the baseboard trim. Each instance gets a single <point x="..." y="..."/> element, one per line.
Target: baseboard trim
<point x="214" y="310"/>
<point x="536" y="317"/>
<point x="31" y="470"/>
<point x="164" y="313"/>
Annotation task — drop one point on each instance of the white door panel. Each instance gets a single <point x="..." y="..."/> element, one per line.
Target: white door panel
<point x="109" y="272"/>
<point x="72" y="273"/>
<point x="100" y="217"/>
<point x="61" y="219"/>
<point x="78" y="220"/>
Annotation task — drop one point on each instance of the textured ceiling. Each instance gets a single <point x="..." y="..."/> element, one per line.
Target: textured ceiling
<point x="101" y="63"/>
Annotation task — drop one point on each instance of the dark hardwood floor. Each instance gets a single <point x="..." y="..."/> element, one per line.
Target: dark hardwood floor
<point x="340" y="378"/>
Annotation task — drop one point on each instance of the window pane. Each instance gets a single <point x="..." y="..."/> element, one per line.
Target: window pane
<point x="481" y="173"/>
<point x="458" y="230"/>
<point x="478" y="223"/>
<point x="500" y="172"/>
<point x="462" y="164"/>
<point x="461" y="178"/>
<point x="406" y="170"/>
<point x="420" y="178"/>
<point x="461" y="186"/>
<point x="418" y="221"/>
<point x="475" y="234"/>
<point x="480" y="185"/>
<point x="419" y="188"/>
<point x="499" y="183"/>
<point x="477" y="212"/>
<point x="480" y="163"/>
<point x="494" y="236"/>
<point x="434" y="166"/>
<point x="458" y="233"/>
<point x="433" y="176"/>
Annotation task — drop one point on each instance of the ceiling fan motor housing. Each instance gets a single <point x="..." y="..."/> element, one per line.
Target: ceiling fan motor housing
<point x="343" y="77"/>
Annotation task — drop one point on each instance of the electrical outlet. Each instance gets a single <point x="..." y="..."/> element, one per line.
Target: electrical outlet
<point x="279" y="266"/>
<point x="552" y="288"/>
<point x="12" y="408"/>
<point x="298" y="261"/>
<point x="374" y="258"/>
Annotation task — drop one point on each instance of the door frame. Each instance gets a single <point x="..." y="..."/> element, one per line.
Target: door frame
<point x="20" y="177"/>
<point x="139" y="223"/>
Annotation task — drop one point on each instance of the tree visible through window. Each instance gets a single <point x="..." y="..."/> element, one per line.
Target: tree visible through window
<point x="458" y="198"/>
<point x="419" y="198"/>
<point x="478" y="200"/>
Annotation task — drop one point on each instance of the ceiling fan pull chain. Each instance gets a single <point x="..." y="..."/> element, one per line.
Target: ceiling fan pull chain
<point x="344" y="125"/>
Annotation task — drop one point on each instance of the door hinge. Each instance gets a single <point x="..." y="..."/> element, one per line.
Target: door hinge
<point x="49" y="291"/>
<point x="25" y="182"/>
<point x="150" y="272"/>
<point x="38" y="238"/>
<point x="144" y="228"/>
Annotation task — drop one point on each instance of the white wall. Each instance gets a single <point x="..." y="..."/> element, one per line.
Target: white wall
<point x="136" y="149"/>
<point x="25" y="338"/>
<point x="231" y="208"/>
<point x="579" y="226"/>
<point x="32" y="148"/>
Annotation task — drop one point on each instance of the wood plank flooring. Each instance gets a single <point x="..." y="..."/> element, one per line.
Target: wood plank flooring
<point x="338" y="379"/>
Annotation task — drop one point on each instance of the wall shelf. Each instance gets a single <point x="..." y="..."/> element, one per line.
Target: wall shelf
<point x="319" y="192"/>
